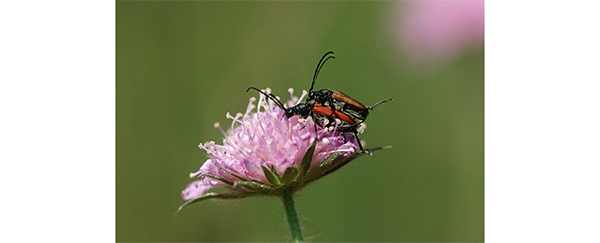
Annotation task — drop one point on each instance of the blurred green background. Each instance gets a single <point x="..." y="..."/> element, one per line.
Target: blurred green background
<point x="181" y="66"/>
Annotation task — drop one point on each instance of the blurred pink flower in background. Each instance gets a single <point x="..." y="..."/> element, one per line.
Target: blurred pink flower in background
<point x="439" y="30"/>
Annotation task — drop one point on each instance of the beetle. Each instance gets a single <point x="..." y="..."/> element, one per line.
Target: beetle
<point x="328" y="107"/>
<point x="322" y="115"/>
<point x="336" y="100"/>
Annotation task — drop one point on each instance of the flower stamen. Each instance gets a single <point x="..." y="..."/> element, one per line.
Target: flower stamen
<point x="250" y="107"/>
<point x="218" y="126"/>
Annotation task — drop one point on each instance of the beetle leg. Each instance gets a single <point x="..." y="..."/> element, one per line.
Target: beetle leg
<point x="358" y="140"/>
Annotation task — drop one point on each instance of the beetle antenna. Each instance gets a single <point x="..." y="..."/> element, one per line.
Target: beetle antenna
<point x="378" y="103"/>
<point x="319" y="66"/>
<point x="270" y="96"/>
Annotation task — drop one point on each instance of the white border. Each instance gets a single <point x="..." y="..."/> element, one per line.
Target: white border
<point x="58" y="121"/>
<point x="542" y="103"/>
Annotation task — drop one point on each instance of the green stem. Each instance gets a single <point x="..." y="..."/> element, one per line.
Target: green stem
<point x="290" y="210"/>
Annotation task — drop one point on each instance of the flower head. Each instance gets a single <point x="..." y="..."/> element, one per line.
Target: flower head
<point x="265" y="153"/>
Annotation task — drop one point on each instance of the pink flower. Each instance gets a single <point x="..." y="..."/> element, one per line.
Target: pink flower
<point x="265" y="153"/>
<point x="429" y="30"/>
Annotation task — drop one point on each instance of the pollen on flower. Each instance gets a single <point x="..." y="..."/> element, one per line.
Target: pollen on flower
<point x="262" y="145"/>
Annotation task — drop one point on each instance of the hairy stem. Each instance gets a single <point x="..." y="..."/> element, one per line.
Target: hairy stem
<point x="290" y="210"/>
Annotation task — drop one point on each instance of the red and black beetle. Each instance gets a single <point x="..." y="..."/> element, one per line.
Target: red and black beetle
<point x="322" y="115"/>
<point x="328" y="107"/>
